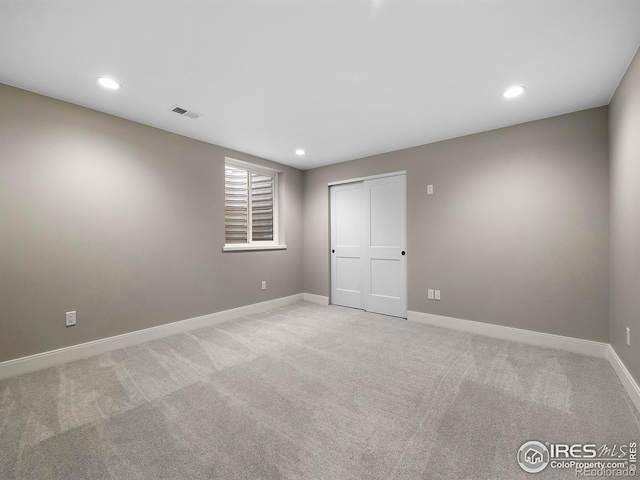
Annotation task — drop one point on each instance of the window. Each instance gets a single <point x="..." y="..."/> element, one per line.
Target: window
<point x="251" y="207"/>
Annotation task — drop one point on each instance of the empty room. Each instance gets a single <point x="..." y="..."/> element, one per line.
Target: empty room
<point x="317" y="239"/>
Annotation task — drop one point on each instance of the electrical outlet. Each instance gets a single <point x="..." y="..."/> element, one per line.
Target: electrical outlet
<point x="437" y="294"/>
<point x="430" y="294"/>
<point x="429" y="189"/>
<point x="70" y="319"/>
<point x="628" y="337"/>
<point x="264" y="284"/>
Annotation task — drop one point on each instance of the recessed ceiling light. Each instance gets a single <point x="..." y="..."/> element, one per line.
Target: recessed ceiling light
<point x="300" y="152"/>
<point x="514" y="92"/>
<point x="109" y="83"/>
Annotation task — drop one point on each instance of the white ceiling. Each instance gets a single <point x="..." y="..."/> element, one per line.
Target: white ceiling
<point x="341" y="79"/>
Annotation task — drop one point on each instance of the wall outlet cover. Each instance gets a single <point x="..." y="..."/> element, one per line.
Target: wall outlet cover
<point x="70" y="320"/>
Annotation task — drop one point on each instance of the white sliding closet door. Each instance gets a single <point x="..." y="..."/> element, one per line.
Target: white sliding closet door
<point x="384" y="257"/>
<point x="347" y="223"/>
<point x="368" y="243"/>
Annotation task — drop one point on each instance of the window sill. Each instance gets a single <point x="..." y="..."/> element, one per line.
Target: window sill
<point x="250" y="248"/>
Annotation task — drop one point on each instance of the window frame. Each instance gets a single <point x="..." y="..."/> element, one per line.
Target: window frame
<point x="256" y="244"/>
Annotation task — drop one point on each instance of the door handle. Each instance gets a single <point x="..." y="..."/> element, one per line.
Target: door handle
<point x="403" y="252"/>
<point x="333" y="251"/>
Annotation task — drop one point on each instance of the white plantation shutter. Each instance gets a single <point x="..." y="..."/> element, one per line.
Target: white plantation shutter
<point x="250" y="205"/>
<point x="261" y="207"/>
<point x="236" y="212"/>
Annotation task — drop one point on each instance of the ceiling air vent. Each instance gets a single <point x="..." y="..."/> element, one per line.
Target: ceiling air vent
<point x="184" y="112"/>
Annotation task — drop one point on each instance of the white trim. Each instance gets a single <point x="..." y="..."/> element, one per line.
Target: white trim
<point x="18" y="366"/>
<point x="539" y="339"/>
<point x="317" y="299"/>
<point x="371" y="177"/>
<point x="39" y="361"/>
<point x="250" y="247"/>
<point x="251" y="166"/>
<point x="625" y="377"/>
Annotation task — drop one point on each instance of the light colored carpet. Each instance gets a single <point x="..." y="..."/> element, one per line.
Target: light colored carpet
<point x="308" y="392"/>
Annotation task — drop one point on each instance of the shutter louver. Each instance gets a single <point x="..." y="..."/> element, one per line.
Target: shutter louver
<point x="261" y="208"/>
<point x="236" y="210"/>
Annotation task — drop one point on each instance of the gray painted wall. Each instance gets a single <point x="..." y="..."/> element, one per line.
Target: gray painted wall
<point x="516" y="233"/>
<point x="122" y="223"/>
<point x="624" y="134"/>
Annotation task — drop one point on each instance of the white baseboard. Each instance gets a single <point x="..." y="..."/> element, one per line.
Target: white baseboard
<point x="18" y="366"/>
<point x="547" y="340"/>
<point x="625" y="377"/>
<point x="576" y="345"/>
<point x="317" y="299"/>
<point x="39" y="361"/>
